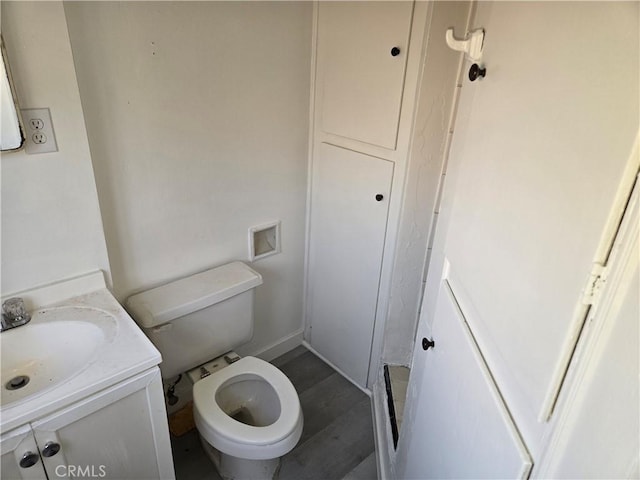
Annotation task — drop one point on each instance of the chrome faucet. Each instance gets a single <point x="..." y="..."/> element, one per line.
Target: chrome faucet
<point x="14" y="314"/>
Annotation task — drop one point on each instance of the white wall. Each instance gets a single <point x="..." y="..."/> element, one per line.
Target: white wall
<point x="197" y="115"/>
<point x="51" y="227"/>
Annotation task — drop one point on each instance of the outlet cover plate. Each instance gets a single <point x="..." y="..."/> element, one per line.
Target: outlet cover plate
<point x="38" y="130"/>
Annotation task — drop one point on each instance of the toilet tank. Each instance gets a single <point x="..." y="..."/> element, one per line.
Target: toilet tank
<point x="199" y="317"/>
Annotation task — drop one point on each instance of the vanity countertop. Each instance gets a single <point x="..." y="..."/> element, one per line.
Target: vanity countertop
<point x="124" y="352"/>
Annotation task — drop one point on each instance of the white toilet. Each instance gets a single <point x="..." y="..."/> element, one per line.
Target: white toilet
<point x="247" y="412"/>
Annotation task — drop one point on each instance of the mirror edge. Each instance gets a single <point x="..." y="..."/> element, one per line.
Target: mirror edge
<point x="14" y="97"/>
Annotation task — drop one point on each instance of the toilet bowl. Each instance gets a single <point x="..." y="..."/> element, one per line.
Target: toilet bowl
<point x="248" y="410"/>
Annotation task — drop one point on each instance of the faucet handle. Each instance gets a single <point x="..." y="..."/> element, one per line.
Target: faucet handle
<point x="15" y="309"/>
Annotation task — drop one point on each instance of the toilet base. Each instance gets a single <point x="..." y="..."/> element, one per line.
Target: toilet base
<point x="234" y="468"/>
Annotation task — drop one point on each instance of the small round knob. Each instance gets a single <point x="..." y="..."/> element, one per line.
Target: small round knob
<point x="50" y="449"/>
<point x="427" y="344"/>
<point x="379" y="197"/>
<point x="475" y="71"/>
<point x="29" y="459"/>
<point x="395" y="51"/>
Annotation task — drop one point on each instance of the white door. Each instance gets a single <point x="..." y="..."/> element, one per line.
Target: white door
<point x="539" y="150"/>
<point x="19" y="455"/>
<point x="350" y="200"/>
<point x="362" y="56"/>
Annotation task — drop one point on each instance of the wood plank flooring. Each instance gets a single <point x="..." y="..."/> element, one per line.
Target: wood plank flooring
<point x="337" y="439"/>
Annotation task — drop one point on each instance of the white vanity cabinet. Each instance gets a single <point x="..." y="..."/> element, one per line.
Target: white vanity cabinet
<point x="117" y="433"/>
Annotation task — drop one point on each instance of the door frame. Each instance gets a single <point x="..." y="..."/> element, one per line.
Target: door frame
<point x="622" y="247"/>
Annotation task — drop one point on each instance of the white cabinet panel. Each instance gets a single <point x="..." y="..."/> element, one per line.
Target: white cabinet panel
<point x="466" y="430"/>
<point x="348" y="226"/>
<point x="120" y="433"/>
<point x="360" y="80"/>
<point x="13" y="446"/>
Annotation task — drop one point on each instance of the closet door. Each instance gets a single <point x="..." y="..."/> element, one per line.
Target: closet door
<point x="362" y="56"/>
<point x="349" y="205"/>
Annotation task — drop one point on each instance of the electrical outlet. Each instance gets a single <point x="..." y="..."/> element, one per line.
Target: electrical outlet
<point x="39" y="136"/>
<point x="36" y="124"/>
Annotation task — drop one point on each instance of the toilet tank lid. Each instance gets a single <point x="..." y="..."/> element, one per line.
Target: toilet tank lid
<point x="178" y="298"/>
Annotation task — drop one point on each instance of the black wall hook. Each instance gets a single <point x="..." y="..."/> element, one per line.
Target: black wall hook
<point x="475" y="71"/>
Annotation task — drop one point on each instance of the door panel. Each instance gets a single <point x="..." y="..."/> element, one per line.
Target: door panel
<point x="347" y="234"/>
<point x="13" y="445"/>
<point x="468" y="431"/>
<point x="361" y="81"/>
<point x="539" y="150"/>
<point x="537" y="179"/>
<point x="110" y="435"/>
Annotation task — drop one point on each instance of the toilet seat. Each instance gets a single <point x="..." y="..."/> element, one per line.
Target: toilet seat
<point x="238" y="439"/>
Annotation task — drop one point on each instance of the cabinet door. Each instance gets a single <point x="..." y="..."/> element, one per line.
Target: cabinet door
<point x="470" y="432"/>
<point x="361" y="80"/>
<point x="14" y="445"/>
<point x="348" y="225"/>
<point x="120" y="433"/>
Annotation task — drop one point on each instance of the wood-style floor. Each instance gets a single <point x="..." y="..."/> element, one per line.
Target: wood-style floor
<point x="337" y="439"/>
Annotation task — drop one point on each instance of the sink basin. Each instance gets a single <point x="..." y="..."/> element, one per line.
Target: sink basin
<point x="57" y="344"/>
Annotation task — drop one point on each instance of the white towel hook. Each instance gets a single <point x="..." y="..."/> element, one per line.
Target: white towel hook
<point x="472" y="45"/>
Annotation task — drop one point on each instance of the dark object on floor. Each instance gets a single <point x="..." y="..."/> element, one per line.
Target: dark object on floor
<point x="392" y="410"/>
<point x="181" y="421"/>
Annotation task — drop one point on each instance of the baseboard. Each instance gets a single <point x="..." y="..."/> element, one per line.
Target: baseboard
<point x="279" y="347"/>
<point x="365" y="390"/>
